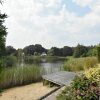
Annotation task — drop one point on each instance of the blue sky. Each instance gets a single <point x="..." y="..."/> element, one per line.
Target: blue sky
<point x="52" y="22"/>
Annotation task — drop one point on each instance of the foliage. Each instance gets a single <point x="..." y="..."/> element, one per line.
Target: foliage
<point x="9" y="61"/>
<point x="67" y="51"/>
<point x="92" y="52"/>
<point x="80" y="51"/>
<point x="33" y="49"/>
<point x="93" y="74"/>
<point x="3" y="34"/>
<point x="54" y="51"/>
<point x="84" y="87"/>
<point x="10" y="50"/>
<point x="79" y="64"/>
<point x="90" y="62"/>
<point x="16" y="76"/>
<point x="74" y="64"/>
<point x="98" y="53"/>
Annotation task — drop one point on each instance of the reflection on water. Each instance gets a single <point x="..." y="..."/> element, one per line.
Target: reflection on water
<point x="48" y="65"/>
<point x="51" y="67"/>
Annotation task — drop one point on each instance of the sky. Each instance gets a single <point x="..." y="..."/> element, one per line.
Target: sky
<point x="52" y="22"/>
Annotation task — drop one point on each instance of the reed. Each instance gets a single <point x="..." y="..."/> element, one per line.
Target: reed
<point x="79" y="64"/>
<point x="17" y="76"/>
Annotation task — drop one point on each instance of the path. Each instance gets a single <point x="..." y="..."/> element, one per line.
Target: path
<point x="28" y="92"/>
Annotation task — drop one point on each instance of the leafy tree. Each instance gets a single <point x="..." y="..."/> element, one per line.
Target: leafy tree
<point x="54" y="51"/>
<point x="3" y="34"/>
<point x="51" y="52"/>
<point x="98" y="53"/>
<point x="67" y="51"/>
<point x="10" y="50"/>
<point x="33" y="49"/>
<point x="29" y="50"/>
<point x="39" y="49"/>
<point x="92" y="52"/>
<point x="80" y="51"/>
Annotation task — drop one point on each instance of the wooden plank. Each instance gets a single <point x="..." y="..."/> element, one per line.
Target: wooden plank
<point x="60" y="78"/>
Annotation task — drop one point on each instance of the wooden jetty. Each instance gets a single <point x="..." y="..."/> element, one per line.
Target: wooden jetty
<point x="61" y="78"/>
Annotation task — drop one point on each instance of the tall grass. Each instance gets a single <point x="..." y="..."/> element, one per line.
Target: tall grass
<point x="79" y="64"/>
<point x="19" y="76"/>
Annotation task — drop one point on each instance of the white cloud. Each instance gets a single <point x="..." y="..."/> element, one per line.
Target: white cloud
<point x="26" y="25"/>
<point x="83" y="3"/>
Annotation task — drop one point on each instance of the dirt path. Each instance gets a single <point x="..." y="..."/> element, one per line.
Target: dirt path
<point x="28" y="92"/>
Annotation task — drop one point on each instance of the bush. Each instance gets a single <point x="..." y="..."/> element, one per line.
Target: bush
<point x="93" y="74"/>
<point x="9" y="61"/>
<point x="84" y="87"/>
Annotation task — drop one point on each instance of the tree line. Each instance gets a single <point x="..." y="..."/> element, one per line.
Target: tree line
<point x="38" y="49"/>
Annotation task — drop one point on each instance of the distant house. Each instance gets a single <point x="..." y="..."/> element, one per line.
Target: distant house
<point x="43" y="54"/>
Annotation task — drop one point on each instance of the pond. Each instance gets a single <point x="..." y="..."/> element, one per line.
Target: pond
<point x="49" y="65"/>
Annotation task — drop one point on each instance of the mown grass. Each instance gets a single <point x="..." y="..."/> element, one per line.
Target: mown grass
<point x="79" y="64"/>
<point x="17" y="76"/>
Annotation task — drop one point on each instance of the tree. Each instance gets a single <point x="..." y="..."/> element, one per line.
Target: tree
<point x="92" y="52"/>
<point x="98" y="53"/>
<point x="29" y="50"/>
<point x="67" y="51"/>
<point x="10" y="50"/>
<point x="3" y="34"/>
<point x="39" y="49"/>
<point x="80" y="51"/>
<point x="54" y="51"/>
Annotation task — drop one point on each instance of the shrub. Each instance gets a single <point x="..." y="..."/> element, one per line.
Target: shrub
<point x="84" y="87"/>
<point x="93" y="74"/>
<point x="8" y="61"/>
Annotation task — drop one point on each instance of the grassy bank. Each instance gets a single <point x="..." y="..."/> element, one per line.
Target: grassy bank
<point x="79" y="64"/>
<point x="16" y="76"/>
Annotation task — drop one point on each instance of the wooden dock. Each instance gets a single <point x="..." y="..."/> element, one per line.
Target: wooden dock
<point x="61" y="78"/>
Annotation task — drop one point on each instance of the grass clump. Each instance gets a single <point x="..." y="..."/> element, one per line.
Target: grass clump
<point x="90" y="62"/>
<point x="19" y="76"/>
<point x="79" y="64"/>
<point x="74" y="64"/>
